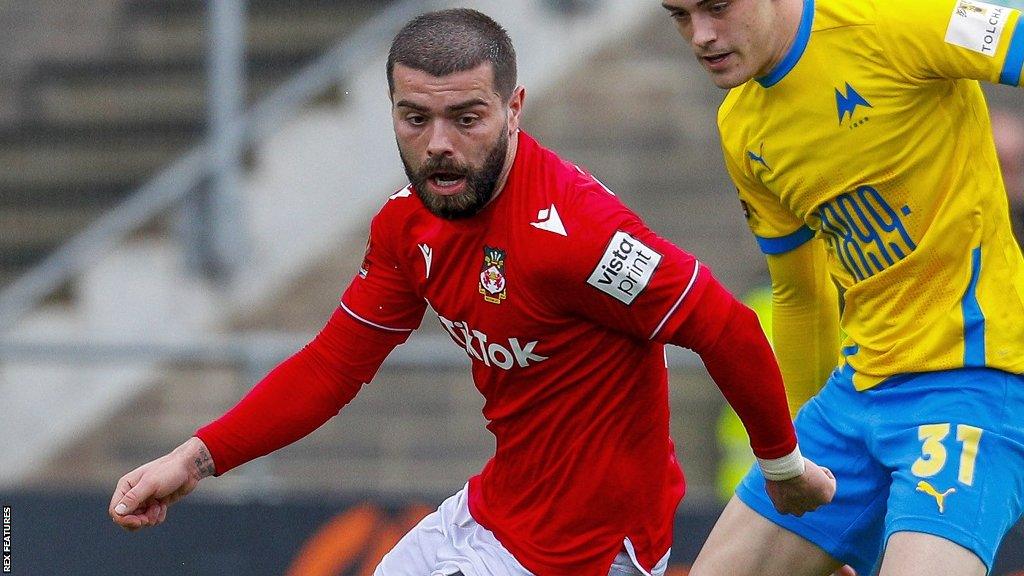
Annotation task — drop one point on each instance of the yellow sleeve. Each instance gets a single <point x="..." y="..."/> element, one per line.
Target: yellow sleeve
<point x="953" y="39"/>
<point x="805" y="302"/>
<point x="774" y="226"/>
<point x="805" y="320"/>
<point x="766" y="216"/>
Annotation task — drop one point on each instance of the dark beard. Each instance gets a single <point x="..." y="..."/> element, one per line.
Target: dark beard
<point x="480" y="182"/>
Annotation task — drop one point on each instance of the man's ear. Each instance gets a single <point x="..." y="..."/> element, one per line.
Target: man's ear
<point x="515" y="109"/>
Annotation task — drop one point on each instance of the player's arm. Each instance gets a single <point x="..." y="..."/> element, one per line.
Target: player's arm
<point x="728" y="337"/>
<point x="378" y="311"/>
<point x="805" y="304"/>
<point x="143" y="495"/>
<point x="805" y="320"/>
<point x="953" y="39"/>
<point x="302" y="393"/>
<point x="630" y="280"/>
<point x="294" y="399"/>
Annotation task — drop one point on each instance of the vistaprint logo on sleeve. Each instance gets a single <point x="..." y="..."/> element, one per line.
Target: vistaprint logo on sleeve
<point x="625" y="268"/>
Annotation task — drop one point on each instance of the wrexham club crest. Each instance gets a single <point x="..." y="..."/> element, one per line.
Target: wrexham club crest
<point x="492" y="275"/>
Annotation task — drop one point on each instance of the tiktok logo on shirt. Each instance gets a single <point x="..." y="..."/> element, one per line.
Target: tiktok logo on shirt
<point x="491" y="353"/>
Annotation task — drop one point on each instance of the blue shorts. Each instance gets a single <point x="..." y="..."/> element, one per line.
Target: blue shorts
<point x="940" y="453"/>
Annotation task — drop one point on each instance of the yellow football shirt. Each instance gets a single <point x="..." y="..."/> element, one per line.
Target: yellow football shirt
<point x="873" y="134"/>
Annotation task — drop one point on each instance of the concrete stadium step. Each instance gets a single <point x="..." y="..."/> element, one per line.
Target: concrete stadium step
<point x="14" y="260"/>
<point x="648" y="171"/>
<point x="43" y="155"/>
<point x="152" y="30"/>
<point x="8" y="275"/>
<point x="415" y="430"/>
<point x="159" y="419"/>
<point x="34" y="228"/>
<point x="132" y="90"/>
<point x="88" y="195"/>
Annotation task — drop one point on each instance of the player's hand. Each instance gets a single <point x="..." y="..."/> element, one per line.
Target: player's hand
<point x="797" y="496"/>
<point x="143" y="495"/>
<point x="845" y="571"/>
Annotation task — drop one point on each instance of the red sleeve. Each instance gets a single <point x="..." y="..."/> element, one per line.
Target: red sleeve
<point x="378" y="311"/>
<point x="727" y="336"/>
<point x="383" y="293"/>
<point x="626" y="278"/>
<point x="302" y="393"/>
<point x="620" y="274"/>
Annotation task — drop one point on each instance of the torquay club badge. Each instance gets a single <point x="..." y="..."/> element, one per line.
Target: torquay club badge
<point x="492" y="275"/>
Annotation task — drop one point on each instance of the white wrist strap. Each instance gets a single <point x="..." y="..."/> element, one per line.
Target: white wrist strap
<point x="777" y="469"/>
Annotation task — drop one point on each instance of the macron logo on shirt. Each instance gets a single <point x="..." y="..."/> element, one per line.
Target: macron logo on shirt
<point x="625" y="268"/>
<point x="549" y="220"/>
<point x="428" y="256"/>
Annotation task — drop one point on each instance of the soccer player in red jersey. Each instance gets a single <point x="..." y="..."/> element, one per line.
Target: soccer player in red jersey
<point x="562" y="298"/>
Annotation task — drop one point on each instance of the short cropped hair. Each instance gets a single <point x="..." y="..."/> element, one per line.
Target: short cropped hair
<point x="449" y="41"/>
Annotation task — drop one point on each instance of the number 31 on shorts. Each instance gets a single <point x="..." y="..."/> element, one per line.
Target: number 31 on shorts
<point x="933" y="451"/>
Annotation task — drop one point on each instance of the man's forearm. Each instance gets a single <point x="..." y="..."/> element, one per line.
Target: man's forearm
<point x="728" y="337"/>
<point x="203" y="465"/>
<point x="197" y="458"/>
<point x="300" y="394"/>
<point x="805" y="321"/>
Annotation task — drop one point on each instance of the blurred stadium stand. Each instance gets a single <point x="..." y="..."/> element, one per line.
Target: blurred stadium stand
<point x="137" y="349"/>
<point x="126" y="364"/>
<point x="115" y="90"/>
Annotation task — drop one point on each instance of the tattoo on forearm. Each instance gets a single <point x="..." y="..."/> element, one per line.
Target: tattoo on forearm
<point x="204" y="463"/>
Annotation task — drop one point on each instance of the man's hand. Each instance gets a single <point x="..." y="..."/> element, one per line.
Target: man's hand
<point x="142" y="496"/>
<point x="797" y="496"/>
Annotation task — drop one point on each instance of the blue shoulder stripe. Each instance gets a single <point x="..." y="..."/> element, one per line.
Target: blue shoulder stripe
<point x="1014" y="56"/>
<point x="785" y="243"/>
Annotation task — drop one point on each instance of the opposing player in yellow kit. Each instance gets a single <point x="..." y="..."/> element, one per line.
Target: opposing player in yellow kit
<point x="859" y="140"/>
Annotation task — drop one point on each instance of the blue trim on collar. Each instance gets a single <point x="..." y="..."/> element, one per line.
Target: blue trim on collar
<point x="803" y="34"/>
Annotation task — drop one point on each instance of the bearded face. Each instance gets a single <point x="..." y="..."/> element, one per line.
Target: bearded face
<point x="453" y="190"/>
<point x="454" y="136"/>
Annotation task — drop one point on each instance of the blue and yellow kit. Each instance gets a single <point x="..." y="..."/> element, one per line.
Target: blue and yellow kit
<point x="873" y="136"/>
<point x="867" y="153"/>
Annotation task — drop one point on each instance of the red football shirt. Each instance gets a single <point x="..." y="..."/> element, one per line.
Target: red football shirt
<point x="561" y="297"/>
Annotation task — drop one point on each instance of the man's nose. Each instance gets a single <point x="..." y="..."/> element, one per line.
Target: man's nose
<point x="704" y="32"/>
<point x="440" y="143"/>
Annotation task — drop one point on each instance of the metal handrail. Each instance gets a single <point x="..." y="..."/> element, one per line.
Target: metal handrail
<point x="172" y="185"/>
<point x="424" y="350"/>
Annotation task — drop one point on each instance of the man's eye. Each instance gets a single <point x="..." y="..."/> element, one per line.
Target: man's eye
<point x="467" y="121"/>
<point x="719" y="7"/>
<point x="415" y="119"/>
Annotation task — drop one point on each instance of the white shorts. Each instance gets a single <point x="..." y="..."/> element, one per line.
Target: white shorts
<point x="449" y="541"/>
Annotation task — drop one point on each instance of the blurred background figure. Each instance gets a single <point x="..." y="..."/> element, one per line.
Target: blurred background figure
<point x="1008" y="132"/>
